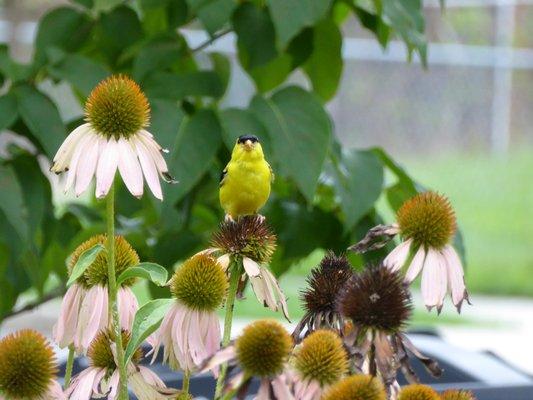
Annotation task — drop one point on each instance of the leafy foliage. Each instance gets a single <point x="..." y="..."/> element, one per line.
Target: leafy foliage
<point x="323" y="197"/>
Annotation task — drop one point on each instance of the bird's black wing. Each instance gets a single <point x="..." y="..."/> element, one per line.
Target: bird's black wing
<point x="223" y="176"/>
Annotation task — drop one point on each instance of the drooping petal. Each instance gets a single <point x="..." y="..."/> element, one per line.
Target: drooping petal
<point x="219" y="358"/>
<point x="224" y="261"/>
<point x="148" y="167"/>
<point x="87" y="164"/>
<point x="455" y="276"/>
<point x="251" y="267"/>
<point x="397" y="257"/>
<point x="55" y="392"/>
<point x="129" y="168"/>
<point x="81" y="387"/>
<point x="281" y="389"/>
<point x="416" y="266"/>
<point x="127" y="307"/>
<point x="107" y="167"/>
<point x="155" y="151"/>
<point x="434" y="279"/>
<point x="77" y="155"/>
<point x="65" y="327"/>
<point x="63" y="156"/>
<point x="93" y="306"/>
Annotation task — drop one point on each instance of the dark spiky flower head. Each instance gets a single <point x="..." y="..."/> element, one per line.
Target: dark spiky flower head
<point x="357" y="387"/>
<point x="96" y="273"/>
<point x="325" y="282"/>
<point x="100" y="354"/>
<point x="376" y="298"/>
<point x="457" y="395"/>
<point x="27" y="365"/>
<point x="418" y="392"/>
<point x="248" y="236"/>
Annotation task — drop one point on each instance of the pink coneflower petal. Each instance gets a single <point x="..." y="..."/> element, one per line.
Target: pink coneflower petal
<point x="66" y="150"/>
<point x="127" y="307"/>
<point x="112" y="386"/>
<point x="416" y="265"/>
<point x="129" y="168"/>
<point x="77" y="154"/>
<point x="219" y="358"/>
<point x="149" y="168"/>
<point x="155" y="151"/>
<point x="280" y="388"/>
<point x="397" y="257"/>
<point x="92" y="317"/>
<point x="65" y="328"/>
<point x="107" y="167"/>
<point x="251" y="267"/>
<point x="55" y="392"/>
<point x="87" y="164"/>
<point x="455" y="276"/>
<point x="224" y="260"/>
<point x="434" y="279"/>
<point x="81" y="387"/>
<point x="264" y="390"/>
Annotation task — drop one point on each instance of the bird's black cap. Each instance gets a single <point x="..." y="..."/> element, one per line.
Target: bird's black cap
<point x="244" y="138"/>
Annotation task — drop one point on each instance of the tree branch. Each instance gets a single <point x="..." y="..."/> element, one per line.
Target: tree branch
<point x="30" y="306"/>
<point x="209" y="42"/>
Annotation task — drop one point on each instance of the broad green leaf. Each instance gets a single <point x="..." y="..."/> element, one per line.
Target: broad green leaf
<point x="255" y="36"/>
<point x="324" y="68"/>
<point x="359" y="180"/>
<point x="85" y="3"/>
<point x="81" y="72"/>
<point x="84" y="261"/>
<point x="373" y="23"/>
<point x="165" y="121"/>
<point x="165" y="85"/>
<point x="407" y="19"/>
<point x="300" y="132"/>
<point x="13" y="70"/>
<point x="194" y="152"/>
<point x="41" y="117"/>
<point x="157" y="56"/>
<point x="147" y="320"/>
<point x="236" y="122"/>
<point x="12" y="203"/>
<point x="146" y="270"/>
<point x="106" y="5"/>
<point x="8" y="110"/>
<point x="63" y="27"/>
<point x="271" y="75"/>
<point x="213" y="14"/>
<point x="222" y="66"/>
<point x="292" y="16"/>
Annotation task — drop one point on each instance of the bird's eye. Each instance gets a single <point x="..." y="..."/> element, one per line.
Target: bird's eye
<point x="252" y="138"/>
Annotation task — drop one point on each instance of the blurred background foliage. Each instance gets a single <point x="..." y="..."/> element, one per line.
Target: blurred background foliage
<point x="324" y="195"/>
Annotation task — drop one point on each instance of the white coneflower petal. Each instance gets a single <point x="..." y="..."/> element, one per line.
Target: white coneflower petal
<point x="107" y="167"/>
<point x="398" y="256"/>
<point x="149" y="168"/>
<point x="416" y="265"/>
<point x="93" y="316"/>
<point x="87" y="164"/>
<point x="434" y="279"/>
<point x="65" y="328"/>
<point x="66" y="150"/>
<point x="129" y="168"/>
<point x="251" y="267"/>
<point x="73" y="165"/>
<point x="455" y="275"/>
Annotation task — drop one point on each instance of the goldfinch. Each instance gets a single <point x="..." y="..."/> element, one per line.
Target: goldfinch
<point x="245" y="182"/>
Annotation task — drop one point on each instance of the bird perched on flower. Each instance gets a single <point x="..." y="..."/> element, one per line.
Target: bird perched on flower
<point x="245" y="182"/>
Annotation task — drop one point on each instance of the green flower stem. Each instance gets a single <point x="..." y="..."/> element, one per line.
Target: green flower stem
<point x="235" y="275"/>
<point x="112" y="285"/>
<point x="412" y="252"/>
<point x="186" y="380"/>
<point x="70" y="364"/>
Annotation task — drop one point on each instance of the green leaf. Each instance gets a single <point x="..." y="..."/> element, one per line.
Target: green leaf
<point x="255" y="36"/>
<point x="8" y="110"/>
<point x="165" y="85"/>
<point x="236" y="122"/>
<point x="81" y="72"/>
<point x="406" y="17"/>
<point x="41" y="117"/>
<point x="165" y="121"/>
<point x="213" y="14"/>
<point x="63" y="27"/>
<point x="292" y="16"/>
<point x="194" y="152"/>
<point x="146" y="270"/>
<point x="147" y="320"/>
<point x="300" y="131"/>
<point x="359" y="180"/>
<point x="373" y="23"/>
<point x="12" y="203"/>
<point x="222" y="66"/>
<point x="85" y="3"/>
<point x="273" y="74"/>
<point x="324" y="68"/>
<point x="11" y="69"/>
<point x="84" y="261"/>
<point x="157" y="56"/>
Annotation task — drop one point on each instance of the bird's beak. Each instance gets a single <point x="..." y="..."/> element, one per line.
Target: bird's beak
<point x="248" y="145"/>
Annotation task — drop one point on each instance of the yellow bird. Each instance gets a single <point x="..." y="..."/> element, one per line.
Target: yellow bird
<point x="245" y="182"/>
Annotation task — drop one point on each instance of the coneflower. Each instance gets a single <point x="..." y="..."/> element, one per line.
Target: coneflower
<point x="319" y="298"/>
<point x="427" y="224"/>
<point x="191" y="330"/>
<point x="101" y="378"/>
<point x="318" y="362"/>
<point x="28" y="368"/>
<point x="356" y="387"/>
<point x="84" y="310"/>
<point x="378" y="305"/>
<point x="249" y="239"/>
<point x="418" y="392"/>
<point x="261" y="351"/>
<point x="113" y="137"/>
<point x="457" y="395"/>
